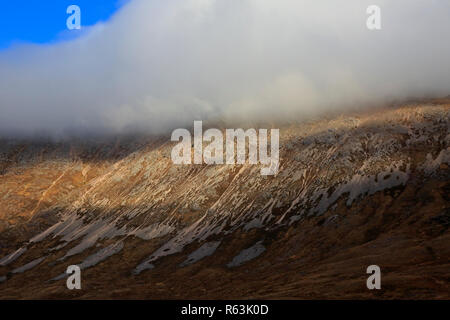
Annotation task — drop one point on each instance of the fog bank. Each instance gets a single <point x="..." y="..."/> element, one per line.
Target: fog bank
<point x="159" y="64"/>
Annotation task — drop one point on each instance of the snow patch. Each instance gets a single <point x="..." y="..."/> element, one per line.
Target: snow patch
<point x="29" y="265"/>
<point x="153" y="231"/>
<point x="247" y="255"/>
<point x="205" y="250"/>
<point x="143" y="266"/>
<point x="13" y="256"/>
<point x="101" y="255"/>
<point x="431" y="165"/>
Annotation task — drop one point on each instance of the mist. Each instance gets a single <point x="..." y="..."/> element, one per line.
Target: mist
<point x="160" y="64"/>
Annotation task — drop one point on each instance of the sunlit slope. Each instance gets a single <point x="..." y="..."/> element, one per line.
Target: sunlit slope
<point x="352" y="190"/>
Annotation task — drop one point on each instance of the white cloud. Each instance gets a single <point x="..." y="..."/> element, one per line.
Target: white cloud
<point x="163" y="63"/>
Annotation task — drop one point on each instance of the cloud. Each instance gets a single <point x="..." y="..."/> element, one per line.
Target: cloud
<point x="159" y="64"/>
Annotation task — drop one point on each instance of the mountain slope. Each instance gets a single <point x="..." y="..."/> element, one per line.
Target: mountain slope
<point x="353" y="190"/>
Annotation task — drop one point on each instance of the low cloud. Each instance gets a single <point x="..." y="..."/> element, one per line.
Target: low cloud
<point x="159" y="64"/>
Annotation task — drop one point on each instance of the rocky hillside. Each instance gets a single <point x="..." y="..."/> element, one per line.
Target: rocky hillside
<point x="352" y="190"/>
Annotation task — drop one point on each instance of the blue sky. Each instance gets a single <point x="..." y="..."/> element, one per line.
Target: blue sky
<point x="44" y="21"/>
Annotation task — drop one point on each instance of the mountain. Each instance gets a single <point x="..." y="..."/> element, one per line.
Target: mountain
<point x="353" y="190"/>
